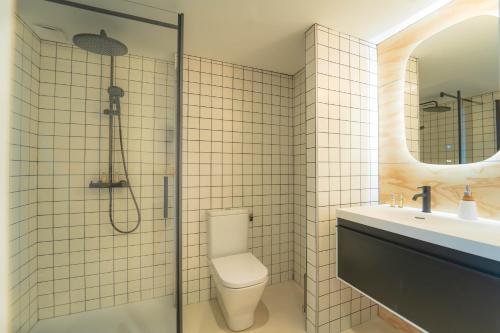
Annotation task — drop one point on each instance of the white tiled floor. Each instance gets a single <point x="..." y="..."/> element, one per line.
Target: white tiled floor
<point x="280" y="311"/>
<point x="373" y="326"/>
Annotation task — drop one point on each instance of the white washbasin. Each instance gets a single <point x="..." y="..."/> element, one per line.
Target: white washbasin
<point x="480" y="237"/>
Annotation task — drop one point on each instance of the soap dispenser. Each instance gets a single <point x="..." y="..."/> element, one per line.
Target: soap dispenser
<point x="467" y="208"/>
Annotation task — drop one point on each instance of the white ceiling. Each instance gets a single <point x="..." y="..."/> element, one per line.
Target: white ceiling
<point x="141" y="38"/>
<point x="267" y="34"/>
<point x="463" y="57"/>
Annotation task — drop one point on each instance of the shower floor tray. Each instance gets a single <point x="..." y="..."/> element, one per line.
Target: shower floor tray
<point x="152" y="316"/>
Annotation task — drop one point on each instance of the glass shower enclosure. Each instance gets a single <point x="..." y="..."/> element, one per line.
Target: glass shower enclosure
<point x="95" y="168"/>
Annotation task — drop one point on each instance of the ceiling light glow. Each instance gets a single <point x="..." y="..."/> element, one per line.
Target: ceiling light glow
<point x="411" y="20"/>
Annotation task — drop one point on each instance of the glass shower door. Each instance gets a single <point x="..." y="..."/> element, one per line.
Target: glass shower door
<point x="103" y="123"/>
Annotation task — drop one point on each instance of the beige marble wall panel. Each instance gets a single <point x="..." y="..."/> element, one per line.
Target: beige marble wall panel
<point x="399" y="171"/>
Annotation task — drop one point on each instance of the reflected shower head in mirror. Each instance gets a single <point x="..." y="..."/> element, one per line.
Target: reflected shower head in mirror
<point x="100" y="44"/>
<point x="433" y="106"/>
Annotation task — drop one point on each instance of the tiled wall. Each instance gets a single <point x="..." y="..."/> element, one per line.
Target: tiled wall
<point x="238" y="152"/>
<point x="412" y="124"/>
<point x="299" y="176"/>
<point x="23" y="180"/>
<point x="441" y="129"/>
<point x="83" y="264"/>
<point x="342" y="149"/>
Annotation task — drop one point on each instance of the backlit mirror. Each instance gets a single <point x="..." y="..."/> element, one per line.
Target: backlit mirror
<point x="452" y="94"/>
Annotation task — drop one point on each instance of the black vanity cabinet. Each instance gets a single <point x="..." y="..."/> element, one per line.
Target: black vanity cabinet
<point x="439" y="289"/>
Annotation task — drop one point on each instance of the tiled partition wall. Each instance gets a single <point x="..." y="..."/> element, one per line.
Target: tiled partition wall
<point x="311" y="166"/>
<point x="238" y="152"/>
<point x="341" y="127"/>
<point x="82" y="263"/>
<point x="299" y="176"/>
<point x="23" y="181"/>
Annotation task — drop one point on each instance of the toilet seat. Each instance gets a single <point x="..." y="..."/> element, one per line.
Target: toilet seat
<point x="239" y="270"/>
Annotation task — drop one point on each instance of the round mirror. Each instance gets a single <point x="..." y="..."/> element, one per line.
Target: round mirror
<point x="452" y="94"/>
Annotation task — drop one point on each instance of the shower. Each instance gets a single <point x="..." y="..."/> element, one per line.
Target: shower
<point x="458" y="104"/>
<point x="103" y="45"/>
<point x="433" y="106"/>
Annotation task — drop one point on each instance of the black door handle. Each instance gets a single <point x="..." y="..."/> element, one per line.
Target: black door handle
<point x="165" y="197"/>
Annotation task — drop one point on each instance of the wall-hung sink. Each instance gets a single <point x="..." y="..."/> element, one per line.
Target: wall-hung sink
<point x="480" y="237"/>
<point x="440" y="272"/>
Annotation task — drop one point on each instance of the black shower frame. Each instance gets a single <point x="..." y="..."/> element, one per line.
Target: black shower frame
<point x="178" y="146"/>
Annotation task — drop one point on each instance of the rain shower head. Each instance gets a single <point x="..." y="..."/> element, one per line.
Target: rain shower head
<point x="433" y="106"/>
<point x="437" y="109"/>
<point x="100" y="44"/>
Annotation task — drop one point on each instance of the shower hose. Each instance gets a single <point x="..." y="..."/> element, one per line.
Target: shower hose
<point x="115" y="100"/>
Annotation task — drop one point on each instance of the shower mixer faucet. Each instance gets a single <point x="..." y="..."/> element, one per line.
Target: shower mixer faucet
<point x="115" y="93"/>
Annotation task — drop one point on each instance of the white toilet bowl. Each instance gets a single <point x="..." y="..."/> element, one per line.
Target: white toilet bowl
<point x="240" y="280"/>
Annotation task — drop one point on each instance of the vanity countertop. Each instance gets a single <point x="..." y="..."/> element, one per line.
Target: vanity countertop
<point x="479" y="237"/>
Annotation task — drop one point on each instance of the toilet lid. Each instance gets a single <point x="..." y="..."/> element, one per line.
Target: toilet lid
<point x="240" y="270"/>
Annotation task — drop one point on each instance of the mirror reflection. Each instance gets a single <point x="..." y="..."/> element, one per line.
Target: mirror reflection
<point x="452" y="103"/>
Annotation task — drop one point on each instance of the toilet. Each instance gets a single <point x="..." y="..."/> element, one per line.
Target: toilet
<point x="239" y="277"/>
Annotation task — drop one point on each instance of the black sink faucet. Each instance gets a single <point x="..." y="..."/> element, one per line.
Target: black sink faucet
<point x="426" y="198"/>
